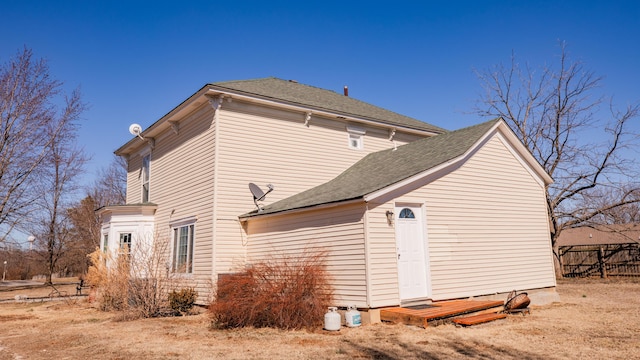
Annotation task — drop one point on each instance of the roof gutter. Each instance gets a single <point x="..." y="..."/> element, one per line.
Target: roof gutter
<point x="167" y="121"/>
<point x="245" y="217"/>
<point x="172" y="117"/>
<point x="307" y="110"/>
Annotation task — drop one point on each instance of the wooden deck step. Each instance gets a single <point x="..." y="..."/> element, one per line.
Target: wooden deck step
<point x="438" y="311"/>
<point x="478" y="319"/>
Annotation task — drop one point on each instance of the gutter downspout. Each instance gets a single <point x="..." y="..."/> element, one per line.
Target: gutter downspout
<point x="216" y="104"/>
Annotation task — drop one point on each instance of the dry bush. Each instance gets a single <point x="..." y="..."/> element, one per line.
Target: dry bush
<point x="182" y="301"/>
<point x="109" y="283"/>
<point x="286" y="293"/>
<point x="136" y="283"/>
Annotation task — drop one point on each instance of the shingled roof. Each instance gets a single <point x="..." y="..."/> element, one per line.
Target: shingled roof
<point x="296" y="93"/>
<point x="600" y="235"/>
<point x="384" y="168"/>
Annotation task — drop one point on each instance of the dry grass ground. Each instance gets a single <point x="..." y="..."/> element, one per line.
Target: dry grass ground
<point x="597" y="319"/>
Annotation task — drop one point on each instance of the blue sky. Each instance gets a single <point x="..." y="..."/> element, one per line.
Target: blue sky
<point x="136" y="60"/>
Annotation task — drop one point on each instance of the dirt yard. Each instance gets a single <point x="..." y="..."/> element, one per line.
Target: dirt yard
<point x="596" y="319"/>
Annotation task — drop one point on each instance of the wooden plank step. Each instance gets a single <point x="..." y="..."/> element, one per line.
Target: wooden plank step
<point x="437" y="311"/>
<point x="478" y="319"/>
<point x="445" y="309"/>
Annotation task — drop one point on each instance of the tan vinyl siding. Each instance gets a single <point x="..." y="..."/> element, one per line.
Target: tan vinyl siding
<point x="383" y="266"/>
<point x="487" y="227"/>
<point x="266" y="145"/>
<point x="254" y="144"/>
<point x="181" y="183"/>
<point x="134" y="181"/>
<point x="338" y="231"/>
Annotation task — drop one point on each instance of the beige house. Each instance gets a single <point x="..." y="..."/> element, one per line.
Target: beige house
<point x="405" y="210"/>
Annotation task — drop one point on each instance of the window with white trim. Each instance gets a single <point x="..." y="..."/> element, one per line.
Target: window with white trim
<point x="355" y="141"/>
<point x="145" y="172"/>
<point x="105" y="242"/>
<point x="356" y="137"/>
<point x="182" y="254"/>
<point x="125" y="244"/>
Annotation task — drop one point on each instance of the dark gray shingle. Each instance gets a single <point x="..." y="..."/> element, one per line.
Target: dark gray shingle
<point x="299" y="94"/>
<point x="384" y="168"/>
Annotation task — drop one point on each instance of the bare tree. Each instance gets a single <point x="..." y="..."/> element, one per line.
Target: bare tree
<point x="58" y="185"/>
<point x="29" y="121"/>
<point x="85" y="235"/>
<point x="111" y="186"/>
<point x="629" y="214"/>
<point x="108" y="189"/>
<point x="39" y="163"/>
<point x="601" y="198"/>
<point x="554" y="111"/>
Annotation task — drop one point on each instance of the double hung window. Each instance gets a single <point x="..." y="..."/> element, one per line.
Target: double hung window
<point x="182" y="255"/>
<point x="125" y="244"/>
<point x="145" y="172"/>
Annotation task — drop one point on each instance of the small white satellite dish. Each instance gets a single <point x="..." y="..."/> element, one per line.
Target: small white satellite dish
<point x="136" y="130"/>
<point x="258" y="194"/>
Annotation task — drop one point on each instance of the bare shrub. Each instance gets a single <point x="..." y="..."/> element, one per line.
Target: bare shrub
<point x="136" y="282"/>
<point x="109" y="281"/>
<point x="182" y="301"/>
<point x="286" y="292"/>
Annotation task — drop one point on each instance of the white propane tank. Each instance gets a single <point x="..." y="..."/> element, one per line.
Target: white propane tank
<point x="352" y="317"/>
<point x="332" y="319"/>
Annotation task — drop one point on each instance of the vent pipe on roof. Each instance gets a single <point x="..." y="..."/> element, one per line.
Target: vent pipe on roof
<point x="346" y="90"/>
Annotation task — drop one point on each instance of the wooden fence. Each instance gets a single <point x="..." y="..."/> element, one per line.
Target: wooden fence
<point x="600" y="260"/>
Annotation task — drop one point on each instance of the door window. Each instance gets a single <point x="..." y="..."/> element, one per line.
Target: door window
<point x="406" y="213"/>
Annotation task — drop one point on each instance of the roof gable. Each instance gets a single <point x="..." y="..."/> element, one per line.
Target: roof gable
<point x="296" y="93"/>
<point x="385" y="168"/>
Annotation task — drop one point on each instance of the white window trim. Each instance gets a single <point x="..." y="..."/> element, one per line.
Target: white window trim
<point x="142" y="177"/>
<point x="175" y="226"/>
<point x="357" y="134"/>
<point x="105" y="242"/>
<point x="120" y="243"/>
<point x="183" y="221"/>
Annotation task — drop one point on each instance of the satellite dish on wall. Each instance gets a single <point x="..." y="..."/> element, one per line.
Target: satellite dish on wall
<point x="136" y="130"/>
<point x="258" y="194"/>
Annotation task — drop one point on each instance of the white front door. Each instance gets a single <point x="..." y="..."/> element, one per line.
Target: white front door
<point x="412" y="254"/>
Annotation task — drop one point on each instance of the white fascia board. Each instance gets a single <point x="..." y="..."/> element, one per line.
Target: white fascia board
<point x="499" y="128"/>
<point x="451" y="163"/>
<point x="528" y="166"/>
<point x="371" y="197"/>
<point x="208" y="91"/>
<point x="144" y="209"/>
<point x="523" y="152"/>
<point x="167" y="121"/>
<point x="315" y="111"/>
